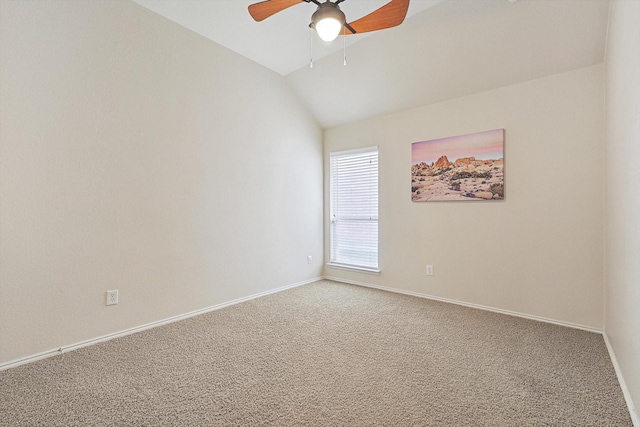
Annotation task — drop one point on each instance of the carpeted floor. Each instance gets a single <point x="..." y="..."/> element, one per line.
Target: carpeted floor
<point x="327" y="354"/>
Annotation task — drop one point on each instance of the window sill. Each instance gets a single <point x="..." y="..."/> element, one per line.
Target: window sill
<point x="354" y="268"/>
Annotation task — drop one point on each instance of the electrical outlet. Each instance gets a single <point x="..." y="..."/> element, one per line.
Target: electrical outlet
<point x="429" y="270"/>
<point x="309" y="259"/>
<point x="112" y="297"/>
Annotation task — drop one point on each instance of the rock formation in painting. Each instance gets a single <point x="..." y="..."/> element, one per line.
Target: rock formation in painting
<point x="442" y="163"/>
<point x="463" y="179"/>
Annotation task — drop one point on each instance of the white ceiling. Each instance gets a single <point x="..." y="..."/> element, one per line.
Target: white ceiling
<point x="444" y="49"/>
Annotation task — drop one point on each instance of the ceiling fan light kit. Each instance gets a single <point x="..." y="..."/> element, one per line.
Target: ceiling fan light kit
<point x="328" y="20"/>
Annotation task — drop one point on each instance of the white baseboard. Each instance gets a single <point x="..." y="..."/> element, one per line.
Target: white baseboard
<point x="623" y="385"/>
<point x="468" y="304"/>
<point x="64" y="349"/>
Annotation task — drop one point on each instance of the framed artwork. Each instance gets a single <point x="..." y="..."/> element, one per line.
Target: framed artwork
<point x="465" y="167"/>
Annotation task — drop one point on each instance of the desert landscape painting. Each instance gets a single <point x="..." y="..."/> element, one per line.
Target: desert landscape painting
<point x="465" y="167"/>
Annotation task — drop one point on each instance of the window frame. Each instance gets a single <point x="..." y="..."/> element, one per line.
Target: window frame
<point x="333" y="261"/>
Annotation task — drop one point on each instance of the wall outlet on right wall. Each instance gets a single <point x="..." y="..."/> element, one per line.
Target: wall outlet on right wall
<point x="429" y="270"/>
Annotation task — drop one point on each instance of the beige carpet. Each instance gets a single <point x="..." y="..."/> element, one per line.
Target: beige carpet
<point x="327" y="354"/>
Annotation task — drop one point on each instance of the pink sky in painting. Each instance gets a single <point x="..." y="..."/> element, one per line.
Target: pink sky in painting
<point x="487" y="145"/>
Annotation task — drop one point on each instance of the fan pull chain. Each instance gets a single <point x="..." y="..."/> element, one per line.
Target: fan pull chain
<point x="344" y="46"/>
<point x="311" y="50"/>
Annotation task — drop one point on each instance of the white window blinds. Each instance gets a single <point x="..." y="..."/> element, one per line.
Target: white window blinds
<point x="353" y="191"/>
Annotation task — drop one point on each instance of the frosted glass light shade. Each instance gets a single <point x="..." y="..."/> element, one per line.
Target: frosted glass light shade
<point x="328" y="29"/>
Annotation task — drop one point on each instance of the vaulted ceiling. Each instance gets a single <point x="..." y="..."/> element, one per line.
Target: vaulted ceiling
<point x="444" y="49"/>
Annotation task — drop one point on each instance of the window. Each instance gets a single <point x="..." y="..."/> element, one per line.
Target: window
<point x="353" y="188"/>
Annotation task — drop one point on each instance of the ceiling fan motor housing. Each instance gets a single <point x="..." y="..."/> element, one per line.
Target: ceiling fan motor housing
<point x="328" y="10"/>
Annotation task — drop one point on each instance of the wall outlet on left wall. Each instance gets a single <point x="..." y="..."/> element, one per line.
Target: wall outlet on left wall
<point x="112" y="297"/>
<point x="309" y="259"/>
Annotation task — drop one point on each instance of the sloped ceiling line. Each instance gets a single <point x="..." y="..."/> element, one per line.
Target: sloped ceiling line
<point x="444" y="49"/>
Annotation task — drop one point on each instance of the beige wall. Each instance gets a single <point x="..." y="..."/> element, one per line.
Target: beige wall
<point x="539" y="252"/>
<point x="136" y="155"/>
<point x="622" y="321"/>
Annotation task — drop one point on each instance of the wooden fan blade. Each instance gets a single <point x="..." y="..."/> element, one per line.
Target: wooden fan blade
<point x="387" y="16"/>
<point x="265" y="9"/>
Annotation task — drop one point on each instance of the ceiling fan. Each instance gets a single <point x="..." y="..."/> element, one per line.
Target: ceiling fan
<point x="329" y="21"/>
